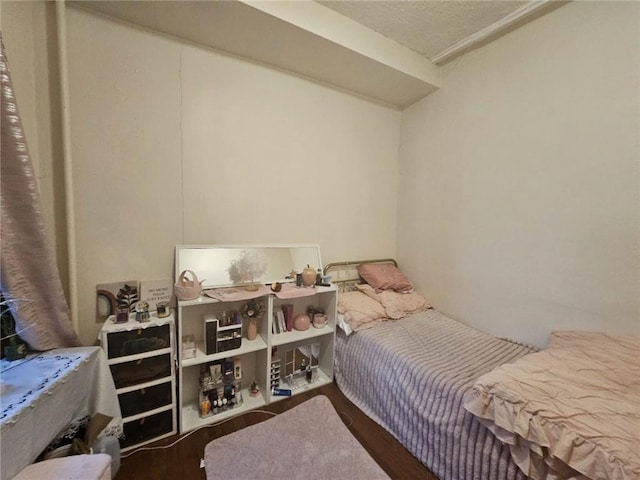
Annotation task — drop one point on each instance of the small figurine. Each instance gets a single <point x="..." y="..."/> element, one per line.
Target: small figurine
<point x="254" y="391"/>
<point x="142" y="311"/>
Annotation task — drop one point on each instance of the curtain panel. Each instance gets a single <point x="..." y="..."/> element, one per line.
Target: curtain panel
<point x="29" y="274"/>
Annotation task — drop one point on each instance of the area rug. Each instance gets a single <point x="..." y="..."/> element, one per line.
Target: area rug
<point x="307" y="442"/>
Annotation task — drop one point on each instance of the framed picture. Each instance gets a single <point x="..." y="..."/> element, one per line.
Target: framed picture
<point x="156" y="291"/>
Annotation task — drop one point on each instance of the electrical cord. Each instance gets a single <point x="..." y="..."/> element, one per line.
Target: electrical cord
<point x="348" y="418"/>
<point x="142" y="449"/>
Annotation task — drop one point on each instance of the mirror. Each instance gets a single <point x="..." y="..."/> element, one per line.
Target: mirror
<point x="296" y="361"/>
<point x="228" y="265"/>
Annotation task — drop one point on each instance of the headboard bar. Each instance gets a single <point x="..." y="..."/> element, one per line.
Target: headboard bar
<point x="329" y="266"/>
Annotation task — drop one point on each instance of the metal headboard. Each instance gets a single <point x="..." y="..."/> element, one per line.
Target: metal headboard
<point x="329" y="266"/>
<point x="346" y="284"/>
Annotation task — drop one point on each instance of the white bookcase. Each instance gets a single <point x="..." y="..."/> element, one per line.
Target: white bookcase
<point x="256" y="355"/>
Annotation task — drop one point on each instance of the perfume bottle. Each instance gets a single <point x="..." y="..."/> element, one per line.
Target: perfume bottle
<point x="205" y="406"/>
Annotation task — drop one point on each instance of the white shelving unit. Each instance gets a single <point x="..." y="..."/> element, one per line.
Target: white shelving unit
<point x="255" y="355"/>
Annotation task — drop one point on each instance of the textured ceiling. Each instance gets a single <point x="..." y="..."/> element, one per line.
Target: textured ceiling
<point x="428" y="27"/>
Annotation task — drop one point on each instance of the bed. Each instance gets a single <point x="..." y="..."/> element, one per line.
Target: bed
<point x="473" y="406"/>
<point x="569" y="411"/>
<point x="408" y="367"/>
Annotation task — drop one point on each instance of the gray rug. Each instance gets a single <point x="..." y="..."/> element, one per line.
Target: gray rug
<point x="307" y="442"/>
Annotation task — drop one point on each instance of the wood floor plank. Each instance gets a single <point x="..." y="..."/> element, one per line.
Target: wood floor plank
<point x="182" y="460"/>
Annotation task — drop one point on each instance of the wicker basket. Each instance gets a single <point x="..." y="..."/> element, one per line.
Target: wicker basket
<point x="186" y="289"/>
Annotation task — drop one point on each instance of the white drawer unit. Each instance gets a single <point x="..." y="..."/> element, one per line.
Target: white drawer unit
<point x="141" y="357"/>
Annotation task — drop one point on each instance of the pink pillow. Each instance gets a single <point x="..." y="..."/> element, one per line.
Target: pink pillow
<point x="384" y="276"/>
<point x="585" y="341"/>
<point x="360" y="311"/>
<point x="397" y="305"/>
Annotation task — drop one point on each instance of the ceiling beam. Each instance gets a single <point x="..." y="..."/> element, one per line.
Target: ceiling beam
<point x="300" y="37"/>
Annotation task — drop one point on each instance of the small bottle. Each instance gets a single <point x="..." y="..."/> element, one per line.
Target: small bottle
<point x="309" y="373"/>
<point x="281" y="392"/>
<point x="319" y="277"/>
<point x="205" y="406"/>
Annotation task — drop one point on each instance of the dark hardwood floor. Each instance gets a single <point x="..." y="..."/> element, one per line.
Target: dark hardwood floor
<point x="182" y="461"/>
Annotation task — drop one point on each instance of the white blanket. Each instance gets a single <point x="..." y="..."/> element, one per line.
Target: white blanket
<point x="42" y="395"/>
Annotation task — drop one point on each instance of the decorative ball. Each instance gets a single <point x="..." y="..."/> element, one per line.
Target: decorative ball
<point x="301" y="322"/>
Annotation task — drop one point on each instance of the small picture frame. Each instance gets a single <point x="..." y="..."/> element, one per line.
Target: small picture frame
<point x="216" y="371"/>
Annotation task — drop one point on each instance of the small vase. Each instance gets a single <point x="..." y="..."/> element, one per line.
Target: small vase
<point x="308" y="277"/>
<point x="252" y="329"/>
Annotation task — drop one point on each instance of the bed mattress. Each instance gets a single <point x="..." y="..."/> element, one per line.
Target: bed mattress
<point x="411" y="375"/>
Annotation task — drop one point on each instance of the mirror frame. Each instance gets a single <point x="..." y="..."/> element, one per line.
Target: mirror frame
<point x="203" y="265"/>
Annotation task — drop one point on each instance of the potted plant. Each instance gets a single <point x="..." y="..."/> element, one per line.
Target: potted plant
<point x="13" y="347"/>
<point x="252" y="312"/>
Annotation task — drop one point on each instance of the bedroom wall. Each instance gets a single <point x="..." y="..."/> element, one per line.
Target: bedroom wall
<point x="176" y="144"/>
<point x="519" y="198"/>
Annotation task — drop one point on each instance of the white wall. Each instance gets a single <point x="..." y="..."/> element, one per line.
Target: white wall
<point x="518" y="207"/>
<point x="519" y="198"/>
<point x="175" y="144"/>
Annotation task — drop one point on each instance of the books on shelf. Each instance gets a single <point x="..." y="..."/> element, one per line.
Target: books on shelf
<point x="287" y="309"/>
<point x="281" y="320"/>
<point x="275" y="328"/>
<point x="280" y="324"/>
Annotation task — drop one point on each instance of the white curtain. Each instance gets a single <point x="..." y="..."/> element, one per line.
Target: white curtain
<point x="29" y="274"/>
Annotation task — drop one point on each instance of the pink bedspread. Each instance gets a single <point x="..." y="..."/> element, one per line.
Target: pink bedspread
<point x="571" y="411"/>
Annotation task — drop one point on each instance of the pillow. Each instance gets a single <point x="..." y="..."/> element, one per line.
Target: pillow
<point x="396" y="305"/>
<point x="359" y="310"/>
<point x="594" y="343"/>
<point x="384" y="276"/>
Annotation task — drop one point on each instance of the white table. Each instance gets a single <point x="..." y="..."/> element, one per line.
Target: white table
<point x="42" y="395"/>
